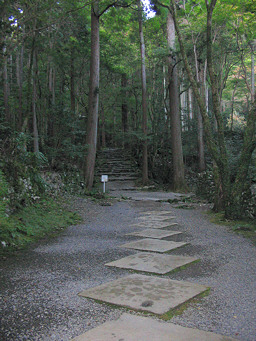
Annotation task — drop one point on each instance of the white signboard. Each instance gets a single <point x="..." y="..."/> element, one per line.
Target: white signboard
<point x="104" y="178"/>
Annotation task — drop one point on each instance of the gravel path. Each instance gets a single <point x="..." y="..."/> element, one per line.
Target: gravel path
<point x="39" y="286"/>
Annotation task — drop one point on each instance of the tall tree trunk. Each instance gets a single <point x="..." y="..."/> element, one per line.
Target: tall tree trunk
<point x="201" y="149"/>
<point x="253" y="47"/>
<point x="72" y="81"/>
<point x="176" y="142"/>
<point x="223" y="165"/>
<point x="124" y="83"/>
<point x="103" y="128"/>
<point x="232" y="106"/>
<point x="19" y="72"/>
<point x="6" y="86"/>
<point x="200" y="130"/>
<point x="27" y="115"/>
<point x="144" y="100"/>
<point x="34" y="97"/>
<point x="91" y="137"/>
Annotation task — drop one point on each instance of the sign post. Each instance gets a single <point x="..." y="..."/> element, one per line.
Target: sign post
<point x="104" y="179"/>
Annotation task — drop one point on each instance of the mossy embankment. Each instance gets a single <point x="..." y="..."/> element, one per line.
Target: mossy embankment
<point x="45" y="218"/>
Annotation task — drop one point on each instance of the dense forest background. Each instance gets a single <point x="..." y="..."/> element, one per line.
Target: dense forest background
<point x="175" y="88"/>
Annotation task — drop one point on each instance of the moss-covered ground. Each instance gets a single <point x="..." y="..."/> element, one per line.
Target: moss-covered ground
<point x="32" y="223"/>
<point x="246" y="227"/>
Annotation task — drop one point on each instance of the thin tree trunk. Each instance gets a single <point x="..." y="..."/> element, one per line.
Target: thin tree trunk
<point x="176" y="141"/>
<point x="253" y="45"/>
<point x="6" y="86"/>
<point x="103" y="128"/>
<point x="34" y="97"/>
<point x="19" y="71"/>
<point x="72" y="82"/>
<point x="144" y="100"/>
<point x="91" y="137"/>
<point x="200" y="129"/>
<point x="190" y="106"/>
<point x="201" y="149"/>
<point x="232" y="106"/>
<point x="27" y="115"/>
<point x="124" y="83"/>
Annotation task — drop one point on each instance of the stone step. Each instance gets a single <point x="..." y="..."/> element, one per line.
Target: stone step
<point x="125" y="171"/>
<point x="154" y="245"/>
<point x="152" y="294"/>
<point x="154" y="233"/>
<point x="156" y="263"/>
<point x="139" y="328"/>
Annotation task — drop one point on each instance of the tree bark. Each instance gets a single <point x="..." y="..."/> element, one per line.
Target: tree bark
<point x="144" y="99"/>
<point x="34" y="97"/>
<point x="19" y="72"/>
<point x="124" y="83"/>
<point x="176" y="141"/>
<point x="253" y="46"/>
<point x="201" y="149"/>
<point x="72" y="82"/>
<point x="103" y="129"/>
<point x="6" y="86"/>
<point x="92" y="123"/>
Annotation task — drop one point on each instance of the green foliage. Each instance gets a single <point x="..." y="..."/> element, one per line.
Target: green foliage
<point x="3" y="201"/>
<point x="22" y="171"/>
<point x="32" y="223"/>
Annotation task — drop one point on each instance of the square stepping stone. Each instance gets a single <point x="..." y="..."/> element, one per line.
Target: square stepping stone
<point x="152" y="262"/>
<point x="155" y="225"/>
<point x="139" y="328"/>
<point x="154" y="233"/>
<point x="155" y="218"/>
<point x="146" y="293"/>
<point x="160" y="213"/>
<point x="154" y="245"/>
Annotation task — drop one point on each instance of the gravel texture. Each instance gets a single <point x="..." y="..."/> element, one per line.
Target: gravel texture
<point x="39" y="287"/>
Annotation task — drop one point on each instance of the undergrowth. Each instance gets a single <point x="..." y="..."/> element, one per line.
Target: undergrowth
<point x="246" y="227"/>
<point x="31" y="223"/>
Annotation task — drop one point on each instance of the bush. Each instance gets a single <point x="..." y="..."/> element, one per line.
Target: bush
<point x="205" y="186"/>
<point x="22" y="172"/>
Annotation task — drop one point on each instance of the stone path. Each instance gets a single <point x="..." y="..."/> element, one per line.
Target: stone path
<point x="147" y="293"/>
<point x="39" y="287"/>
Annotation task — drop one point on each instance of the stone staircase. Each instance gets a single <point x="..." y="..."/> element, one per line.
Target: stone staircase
<point x="118" y="165"/>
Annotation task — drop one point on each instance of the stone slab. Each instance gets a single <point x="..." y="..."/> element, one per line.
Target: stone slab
<point x="154" y="245"/>
<point x="139" y="328"/>
<point x="155" y="225"/>
<point x="160" y="213"/>
<point x="145" y="293"/>
<point x="154" y="233"/>
<point x="155" y="218"/>
<point x="152" y="262"/>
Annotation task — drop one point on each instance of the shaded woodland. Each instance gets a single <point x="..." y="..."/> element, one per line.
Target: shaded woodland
<point x="175" y="89"/>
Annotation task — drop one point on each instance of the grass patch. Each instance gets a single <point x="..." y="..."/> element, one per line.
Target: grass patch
<point x="181" y="308"/>
<point x="32" y="223"/>
<point x="246" y="228"/>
